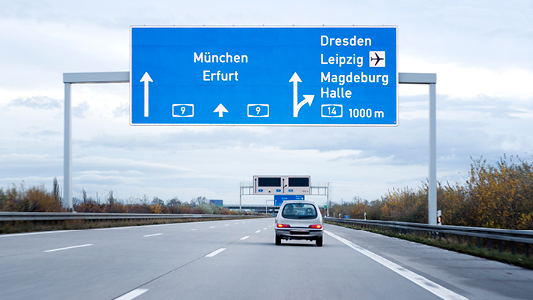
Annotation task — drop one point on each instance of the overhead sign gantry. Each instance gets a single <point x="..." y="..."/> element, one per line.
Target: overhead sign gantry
<point x="151" y="108"/>
<point x="302" y="76"/>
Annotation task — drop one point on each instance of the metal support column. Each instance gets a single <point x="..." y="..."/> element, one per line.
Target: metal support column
<point x="431" y="80"/>
<point x="432" y="192"/>
<point x="67" y="161"/>
<point x="68" y="79"/>
<point x="327" y="201"/>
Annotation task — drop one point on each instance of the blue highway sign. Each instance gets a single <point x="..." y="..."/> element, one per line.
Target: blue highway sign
<point x="288" y="76"/>
<point x="278" y="199"/>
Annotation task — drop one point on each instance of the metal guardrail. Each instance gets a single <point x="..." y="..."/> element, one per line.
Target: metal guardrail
<point x="489" y="234"/>
<point x="56" y="216"/>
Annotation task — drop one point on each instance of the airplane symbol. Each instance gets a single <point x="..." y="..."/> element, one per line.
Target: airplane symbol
<point x="378" y="58"/>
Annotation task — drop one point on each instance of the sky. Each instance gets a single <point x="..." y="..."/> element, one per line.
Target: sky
<point x="480" y="51"/>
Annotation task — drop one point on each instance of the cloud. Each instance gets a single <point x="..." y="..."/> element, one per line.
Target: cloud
<point x="33" y="164"/>
<point x="122" y="110"/>
<point x="37" y="102"/>
<point x="482" y="107"/>
<point x="37" y="132"/>
<point x="81" y="110"/>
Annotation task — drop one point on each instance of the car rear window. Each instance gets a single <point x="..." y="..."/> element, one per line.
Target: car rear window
<point x="299" y="211"/>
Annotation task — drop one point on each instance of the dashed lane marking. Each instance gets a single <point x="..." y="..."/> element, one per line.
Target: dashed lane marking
<point x="155" y="234"/>
<point x="215" y="252"/>
<point x="133" y="294"/>
<point x="67" y="248"/>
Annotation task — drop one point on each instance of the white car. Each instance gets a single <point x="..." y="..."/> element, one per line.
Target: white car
<point x="299" y="220"/>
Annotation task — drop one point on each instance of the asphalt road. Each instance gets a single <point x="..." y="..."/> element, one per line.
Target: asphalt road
<point x="239" y="260"/>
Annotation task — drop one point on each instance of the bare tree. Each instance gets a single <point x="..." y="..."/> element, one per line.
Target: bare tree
<point x="156" y="201"/>
<point x="55" y="191"/>
<point x="110" y="199"/>
<point x="144" y="200"/>
<point x="198" y="201"/>
<point x="174" y="202"/>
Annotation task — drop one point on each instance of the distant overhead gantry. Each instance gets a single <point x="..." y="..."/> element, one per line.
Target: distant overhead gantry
<point x="287" y="185"/>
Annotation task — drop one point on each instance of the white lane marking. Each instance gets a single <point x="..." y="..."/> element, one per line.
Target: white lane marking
<point x="116" y="228"/>
<point x="226" y="225"/>
<point x="258" y="231"/>
<point x="243" y="238"/>
<point x="421" y="281"/>
<point x="213" y="227"/>
<point x="133" y="294"/>
<point x="34" y="233"/>
<point x="215" y="252"/>
<point x="149" y="235"/>
<point x="193" y="229"/>
<point x="67" y="248"/>
<point x="264" y="229"/>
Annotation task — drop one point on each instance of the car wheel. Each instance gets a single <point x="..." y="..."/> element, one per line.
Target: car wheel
<point x="319" y="241"/>
<point x="278" y="240"/>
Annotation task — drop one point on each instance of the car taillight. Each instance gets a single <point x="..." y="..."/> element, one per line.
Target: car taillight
<point x="284" y="225"/>
<point x="317" y="226"/>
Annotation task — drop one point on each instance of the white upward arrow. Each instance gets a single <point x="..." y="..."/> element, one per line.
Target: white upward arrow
<point x="307" y="98"/>
<point x="146" y="78"/>
<point x="220" y="110"/>
<point x="295" y="79"/>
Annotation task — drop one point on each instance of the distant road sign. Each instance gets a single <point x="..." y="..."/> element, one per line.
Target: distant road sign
<point x="278" y="199"/>
<point x="217" y="202"/>
<point x="302" y="76"/>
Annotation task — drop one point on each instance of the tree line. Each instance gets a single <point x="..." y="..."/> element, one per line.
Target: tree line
<point x="38" y="199"/>
<point x="197" y="205"/>
<point x="496" y="195"/>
